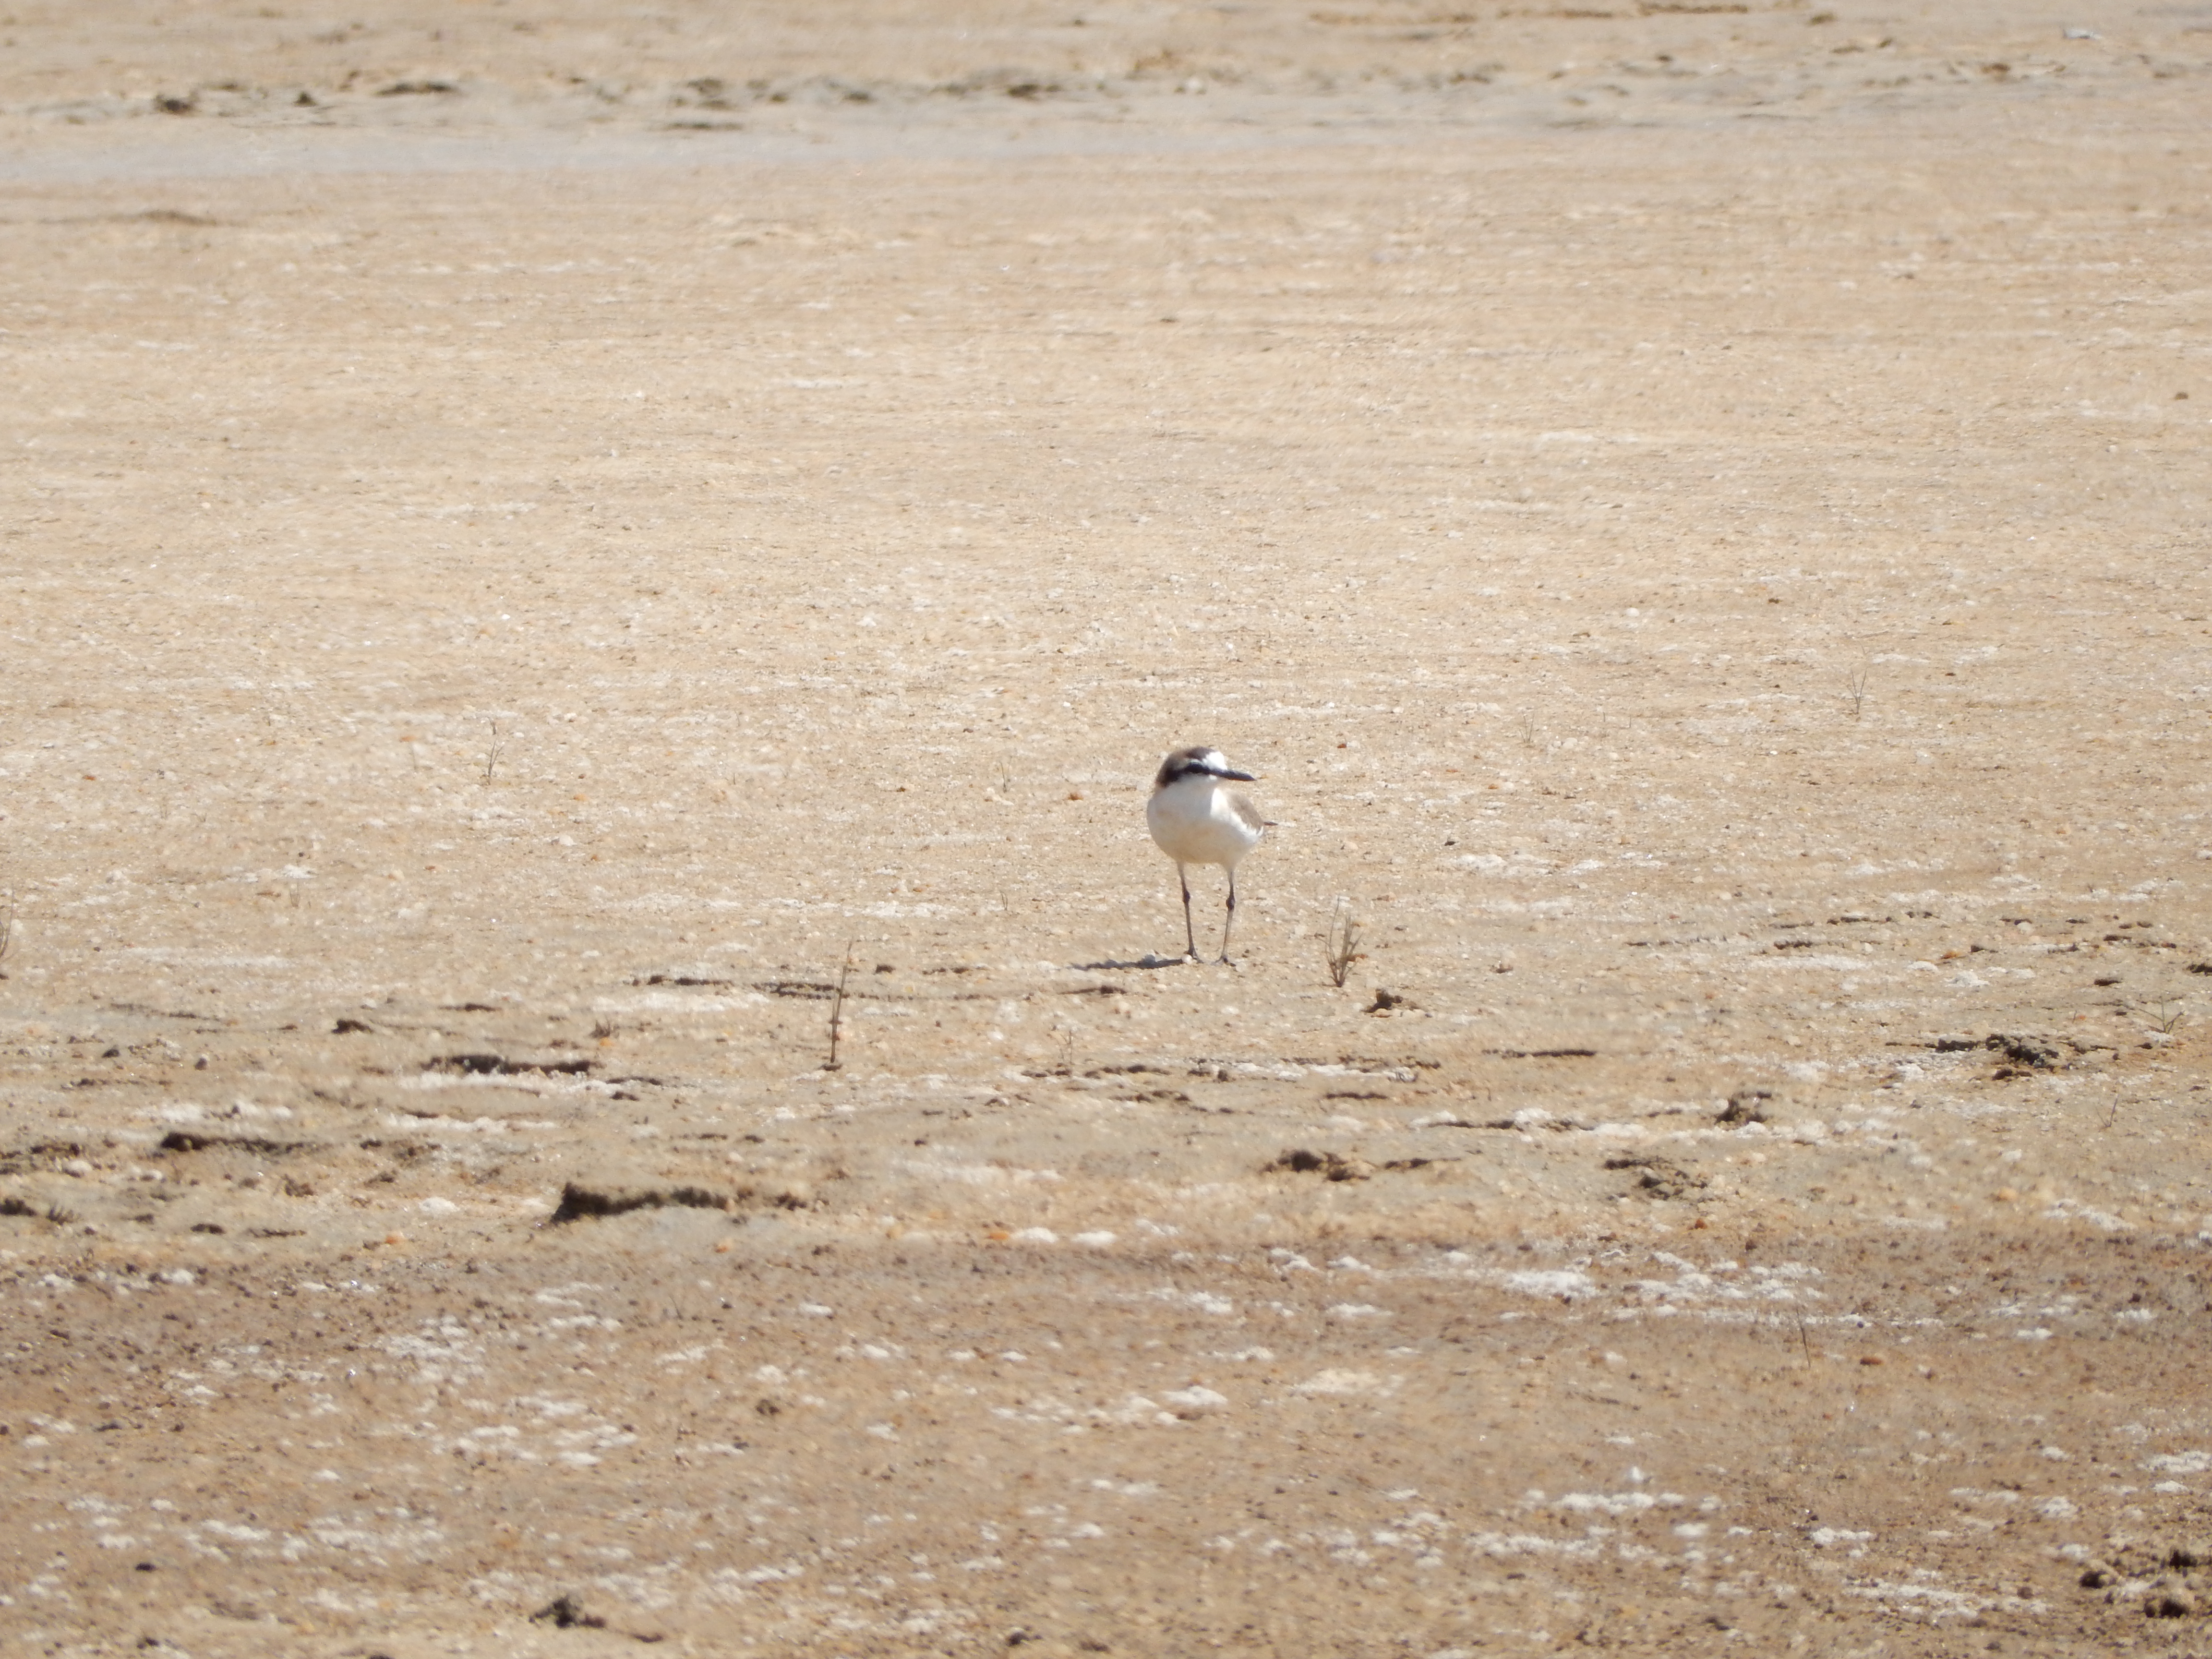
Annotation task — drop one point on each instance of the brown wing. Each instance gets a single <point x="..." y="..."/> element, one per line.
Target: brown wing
<point x="1242" y="805"/>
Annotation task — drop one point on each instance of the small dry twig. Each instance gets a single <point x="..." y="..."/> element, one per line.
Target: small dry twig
<point x="2165" y="1015"/>
<point x="837" y="1006"/>
<point x="1341" y="943"/>
<point x="1855" y="688"/>
<point x="492" y="754"/>
<point x="7" y="931"/>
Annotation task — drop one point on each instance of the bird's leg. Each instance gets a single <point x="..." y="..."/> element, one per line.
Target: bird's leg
<point x="1230" y="921"/>
<point x="1189" y="934"/>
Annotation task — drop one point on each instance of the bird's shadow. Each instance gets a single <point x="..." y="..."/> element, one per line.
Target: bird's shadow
<point x="1148" y="960"/>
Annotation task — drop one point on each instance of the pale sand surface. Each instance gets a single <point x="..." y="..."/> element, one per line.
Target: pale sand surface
<point x="1699" y="516"/>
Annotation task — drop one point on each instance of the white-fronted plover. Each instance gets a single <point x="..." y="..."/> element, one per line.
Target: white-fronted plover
<point x="1197" y="821"/>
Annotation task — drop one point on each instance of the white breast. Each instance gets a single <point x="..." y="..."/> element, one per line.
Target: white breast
<point x="1195" y="821"/>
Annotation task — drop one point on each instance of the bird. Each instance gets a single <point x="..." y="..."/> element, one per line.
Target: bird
<point x="1196" y="820"/>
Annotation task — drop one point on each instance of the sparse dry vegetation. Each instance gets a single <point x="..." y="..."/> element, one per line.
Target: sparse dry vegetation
<point x="1340" y="942"/>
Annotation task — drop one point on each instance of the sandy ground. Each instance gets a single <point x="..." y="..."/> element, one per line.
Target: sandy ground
<point x="537" y="545"/>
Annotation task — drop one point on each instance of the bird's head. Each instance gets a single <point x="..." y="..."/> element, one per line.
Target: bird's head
<point x="1198" y="762"/>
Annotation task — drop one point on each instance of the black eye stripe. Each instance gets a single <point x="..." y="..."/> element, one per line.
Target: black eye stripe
<point x="1196" y="763"/>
